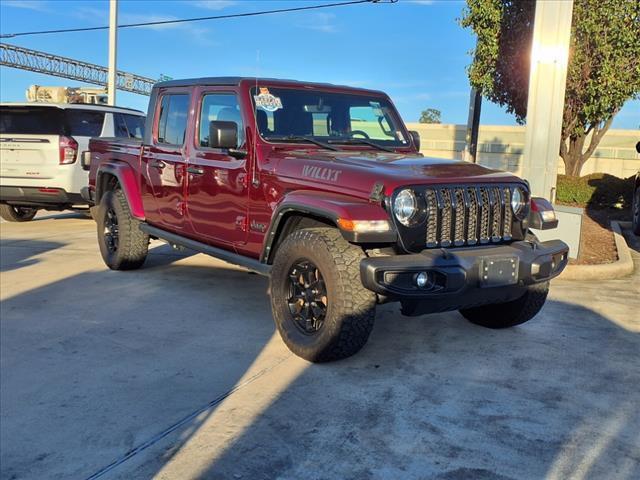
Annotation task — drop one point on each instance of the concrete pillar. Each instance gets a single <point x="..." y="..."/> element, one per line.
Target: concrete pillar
<point x="113" y="47"/>
<point x="547" y="82"/>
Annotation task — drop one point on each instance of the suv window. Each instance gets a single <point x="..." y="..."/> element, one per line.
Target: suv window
<point x="84" y="123"/>
<point x="31" y="120"/>
<point x="219" y="106"/>
<point x="129" y="126"/>
<point x="172" y="124"/>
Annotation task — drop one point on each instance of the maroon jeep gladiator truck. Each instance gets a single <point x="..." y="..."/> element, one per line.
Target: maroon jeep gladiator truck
<point x="323" y="189"/>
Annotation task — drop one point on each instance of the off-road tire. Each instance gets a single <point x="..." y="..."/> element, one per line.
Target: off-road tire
<point x="636" y="211"/>
<point x="510" y="314"/>
<point x="17" y="214"/>
<point x="133" y="243"/>
<point x="350" y="309"/>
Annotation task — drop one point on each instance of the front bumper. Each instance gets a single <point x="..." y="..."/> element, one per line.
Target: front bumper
<point x="468" y="276"/>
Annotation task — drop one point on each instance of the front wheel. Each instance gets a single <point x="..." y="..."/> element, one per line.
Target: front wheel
<point x="510" y="314"/>
<point x="17" y="214"/>
<point x="319" y="305"/>
<point x="122" y="244"/>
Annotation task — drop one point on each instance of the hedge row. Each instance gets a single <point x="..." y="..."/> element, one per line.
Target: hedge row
<point x="598" y="190"/>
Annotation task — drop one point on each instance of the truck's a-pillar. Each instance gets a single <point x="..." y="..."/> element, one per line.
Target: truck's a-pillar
<point x="545" y="107"/>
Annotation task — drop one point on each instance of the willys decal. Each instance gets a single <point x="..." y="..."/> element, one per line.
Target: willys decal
<point x="320" y="173"/>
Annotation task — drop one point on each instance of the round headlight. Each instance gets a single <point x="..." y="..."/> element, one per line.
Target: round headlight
<point x="518" y="201"/>
<point x="405" y="207"/>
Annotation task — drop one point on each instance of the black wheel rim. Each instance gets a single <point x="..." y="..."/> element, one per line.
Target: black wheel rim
<point x="23" y="212"/>
<point x="307" y="296"/>
<point x="111" y="230"/>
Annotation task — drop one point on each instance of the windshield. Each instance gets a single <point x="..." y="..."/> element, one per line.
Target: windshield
<point x="289" y="114"/>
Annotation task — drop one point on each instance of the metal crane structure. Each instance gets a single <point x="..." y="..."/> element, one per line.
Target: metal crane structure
<point x="56" y="65"/>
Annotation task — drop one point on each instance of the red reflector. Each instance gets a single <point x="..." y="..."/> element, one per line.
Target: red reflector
<point x="48" y="190"/>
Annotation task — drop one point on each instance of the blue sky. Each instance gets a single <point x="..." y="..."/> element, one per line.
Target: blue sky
<point x="414" y="50"/>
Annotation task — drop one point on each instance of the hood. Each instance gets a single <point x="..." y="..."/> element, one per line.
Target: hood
<point x="360" y="171"/>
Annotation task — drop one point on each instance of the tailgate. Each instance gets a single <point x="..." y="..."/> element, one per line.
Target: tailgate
<point x="29" y="140"/>
<point x="29" y="156"/>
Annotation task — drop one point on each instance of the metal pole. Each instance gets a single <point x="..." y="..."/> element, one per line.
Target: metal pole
<point x="545" y="106"/>
<point x="113" y="46"/>
<point x="473" y="126"/>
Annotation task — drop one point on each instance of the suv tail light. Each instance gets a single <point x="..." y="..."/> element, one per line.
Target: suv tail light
<point x="68" y="150"/>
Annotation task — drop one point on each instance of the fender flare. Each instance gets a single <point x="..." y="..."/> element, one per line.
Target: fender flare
<point x="330" y="207"/>
<point x="128" y="182"/>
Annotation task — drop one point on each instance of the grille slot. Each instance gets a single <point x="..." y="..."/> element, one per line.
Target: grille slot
<point x="468" y="215"/>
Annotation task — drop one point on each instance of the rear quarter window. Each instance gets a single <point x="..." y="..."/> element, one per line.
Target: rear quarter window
<point x="84" y="123"/>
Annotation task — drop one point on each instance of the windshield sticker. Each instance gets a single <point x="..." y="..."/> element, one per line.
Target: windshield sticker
<point x="267" y="101"/>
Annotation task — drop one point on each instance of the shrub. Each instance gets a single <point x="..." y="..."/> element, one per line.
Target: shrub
<point x="598" y="190"/>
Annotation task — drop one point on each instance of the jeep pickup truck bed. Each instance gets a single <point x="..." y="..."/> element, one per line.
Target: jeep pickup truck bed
<point x="323" y="189"/>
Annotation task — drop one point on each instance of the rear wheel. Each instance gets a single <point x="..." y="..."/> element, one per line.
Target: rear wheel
<point x="17" y="214"/>
<point x="319" y="305"/>
<point x="122" y="244"/>
<point x="510" y="314"/>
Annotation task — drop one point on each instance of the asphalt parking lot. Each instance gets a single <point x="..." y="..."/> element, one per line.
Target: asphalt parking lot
<point x="174" y="371"/>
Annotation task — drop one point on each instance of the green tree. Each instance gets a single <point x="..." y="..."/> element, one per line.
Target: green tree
<point x="430" y="115"/>
<point x="603" y="70"/>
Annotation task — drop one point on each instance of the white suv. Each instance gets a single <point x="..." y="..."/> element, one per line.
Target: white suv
<point x="40" y="149"/>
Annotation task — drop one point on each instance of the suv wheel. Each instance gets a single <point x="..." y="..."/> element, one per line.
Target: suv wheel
<point x="510" y="314"/>
<point x="319" y="305"/>
<point x="17" y="214"/>
<point x="122" y="244"/>
<point x="636" y="212"/>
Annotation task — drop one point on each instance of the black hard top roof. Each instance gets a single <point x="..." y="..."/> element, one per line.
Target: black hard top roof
<point x="233" y="81"/>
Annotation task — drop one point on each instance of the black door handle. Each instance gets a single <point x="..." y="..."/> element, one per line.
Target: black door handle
<point x="195" y="170"/>
<point x="159" y="164"/>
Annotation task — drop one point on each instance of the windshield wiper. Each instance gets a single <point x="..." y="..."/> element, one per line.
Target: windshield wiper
<point x="301" y="138"/>
<point x="361" y="141"/>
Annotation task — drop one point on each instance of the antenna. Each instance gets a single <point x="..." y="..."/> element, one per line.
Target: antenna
<point x="255" y="181"/>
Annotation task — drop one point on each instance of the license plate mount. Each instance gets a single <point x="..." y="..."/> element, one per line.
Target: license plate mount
<point x="499" y="271"/>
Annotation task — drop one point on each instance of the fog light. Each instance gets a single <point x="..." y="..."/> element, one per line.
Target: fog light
<point x="422" y="279"/>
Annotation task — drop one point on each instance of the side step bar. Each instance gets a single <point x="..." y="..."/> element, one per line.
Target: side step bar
<point x="242" y="261"/>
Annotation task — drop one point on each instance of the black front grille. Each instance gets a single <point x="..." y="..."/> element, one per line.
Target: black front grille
<point x="467" y="215"/>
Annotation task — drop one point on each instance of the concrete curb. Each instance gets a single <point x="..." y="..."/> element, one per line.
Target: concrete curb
<point x="620" y="268"/>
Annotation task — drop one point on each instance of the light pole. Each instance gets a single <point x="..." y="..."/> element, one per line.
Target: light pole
<point x="113" y="47"/>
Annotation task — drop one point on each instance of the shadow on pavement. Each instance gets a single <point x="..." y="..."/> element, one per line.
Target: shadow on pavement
<point x="96" y="363"/>
<point x="18" y="253"/>
<point x="429" y="397"/>
<point x="436" y="397"/>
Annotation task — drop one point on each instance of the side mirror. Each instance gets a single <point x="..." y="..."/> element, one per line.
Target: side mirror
<point x="415" y="138"/>
<point x="85" y="160"/>
<point x="223" y="134"/>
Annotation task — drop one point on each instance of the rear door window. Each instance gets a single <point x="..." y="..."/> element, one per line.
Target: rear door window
<point x="129" y="126"/>
<point x="172" y="125"/>
<point x="135" y="125"/>
<point x="29" y="120"/>
<point x="121" y="126"/>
